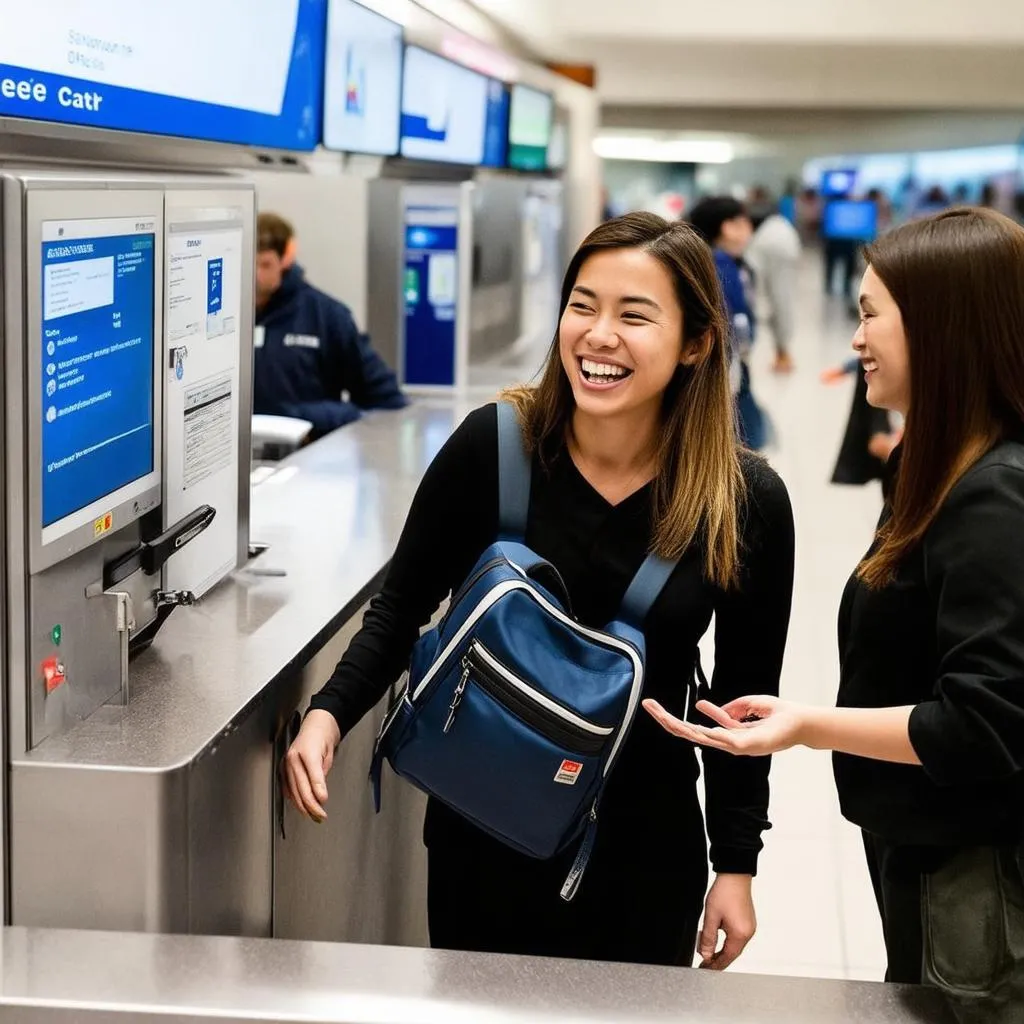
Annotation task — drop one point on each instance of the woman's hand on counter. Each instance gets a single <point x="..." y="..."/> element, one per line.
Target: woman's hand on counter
<point x="307" y="763"/>
<point x="729" y="909"/>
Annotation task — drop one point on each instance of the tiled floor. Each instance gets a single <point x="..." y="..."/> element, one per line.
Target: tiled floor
<point x="814" y="902"/>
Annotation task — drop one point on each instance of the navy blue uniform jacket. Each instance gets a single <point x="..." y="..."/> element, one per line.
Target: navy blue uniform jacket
<point x="311" y="351"/>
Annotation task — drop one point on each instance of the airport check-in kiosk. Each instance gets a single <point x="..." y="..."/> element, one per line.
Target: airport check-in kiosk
<point x="103" y="494"/>
<point x="127" y="341"/>
<point x="421" y="235"/>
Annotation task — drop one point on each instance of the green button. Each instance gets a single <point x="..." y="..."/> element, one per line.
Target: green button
<point x="57" y="634"/>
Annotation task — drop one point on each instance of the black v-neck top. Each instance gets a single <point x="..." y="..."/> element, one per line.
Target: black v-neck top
<point x="947" y="636"/>
<point x="598" y="547"/>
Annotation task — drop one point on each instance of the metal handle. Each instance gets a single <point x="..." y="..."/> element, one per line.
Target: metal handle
<point x="125" y="628"/>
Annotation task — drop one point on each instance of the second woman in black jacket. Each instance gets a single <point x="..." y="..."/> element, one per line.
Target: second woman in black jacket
<point x="929" y="732"/>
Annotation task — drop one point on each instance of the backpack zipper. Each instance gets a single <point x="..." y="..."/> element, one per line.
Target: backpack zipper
<point x="554" y="721"/>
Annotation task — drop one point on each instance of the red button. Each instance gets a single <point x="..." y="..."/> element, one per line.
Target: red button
<point x="53" y="674"/>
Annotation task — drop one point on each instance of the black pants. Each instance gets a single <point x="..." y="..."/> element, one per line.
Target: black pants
<point x="638" y="902"/>
<point x="842" y="253"/>
<point x="896" y="879"/>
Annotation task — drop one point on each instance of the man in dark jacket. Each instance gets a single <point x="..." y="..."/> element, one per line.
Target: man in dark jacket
<point x="312" y="362"/>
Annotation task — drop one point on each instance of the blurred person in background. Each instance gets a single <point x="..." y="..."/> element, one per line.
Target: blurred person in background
<point x="935" y="201"/>
<point x="884" y="208"/>
<point x="308" y="351"/>
<point x="725" y="225"/>
<point x="787" y="204"/>
<point x="808" y="216"/>
<point x="839" y="254"/>
<point x="774" y="255"/>
<point x="871" y="435"/>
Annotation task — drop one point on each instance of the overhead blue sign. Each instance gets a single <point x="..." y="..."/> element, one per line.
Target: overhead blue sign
<point x="241" y="71"/>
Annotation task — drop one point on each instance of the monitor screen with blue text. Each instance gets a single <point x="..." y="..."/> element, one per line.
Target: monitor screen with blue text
<point x="97" y="363"/>
<point x="242" y="71"/>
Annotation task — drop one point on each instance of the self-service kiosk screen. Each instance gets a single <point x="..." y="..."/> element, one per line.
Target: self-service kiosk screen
<point x="444" y="109"/>
<point x="529" y="128"/>
<point x="97" y="358"/>
<point x="363" y="80"/>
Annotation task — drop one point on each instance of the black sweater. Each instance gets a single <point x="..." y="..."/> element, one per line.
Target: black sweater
<point x="597" y="548"/>
<point x="947" y="637"/>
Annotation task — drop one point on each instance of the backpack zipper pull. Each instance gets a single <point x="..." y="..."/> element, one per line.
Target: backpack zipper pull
<point x="457" y="698"/>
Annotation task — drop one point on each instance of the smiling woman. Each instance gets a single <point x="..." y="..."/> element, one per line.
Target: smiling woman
<point x="633" y="449"/>
<point x="929" y="734"/>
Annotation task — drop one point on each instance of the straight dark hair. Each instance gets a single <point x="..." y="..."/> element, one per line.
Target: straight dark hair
<point x="958" y="280"/>
<point x="699" y="484"/>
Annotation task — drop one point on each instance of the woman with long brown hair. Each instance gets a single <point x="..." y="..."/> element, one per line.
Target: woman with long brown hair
<point x="633" y="450"/>
<point x="929" y="732"/>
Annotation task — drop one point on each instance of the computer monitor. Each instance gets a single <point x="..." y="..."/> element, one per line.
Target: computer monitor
<point x="444" y="109"/>
<point x="836" y="184"/>
<point x="529" y="128"/>
<point x="496" y="127"/>
<point x="94" y="371"/>
<point x="362" y="80"/>
<point x="851" y="220"/>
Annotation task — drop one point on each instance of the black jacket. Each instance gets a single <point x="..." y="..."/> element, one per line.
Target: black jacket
<point x="947" y="636"/>
<point x="310" y="352"/>
<point x="855" y="464"/>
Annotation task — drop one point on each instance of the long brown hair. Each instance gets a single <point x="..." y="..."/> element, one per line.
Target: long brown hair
<point x="699" y="484"/>
<point x="958" y="280"/>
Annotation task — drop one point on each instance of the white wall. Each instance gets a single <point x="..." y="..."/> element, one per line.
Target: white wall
<point x="331" y="218"/>
<point x="679" y="74"/>
<point x="877" y="22"/>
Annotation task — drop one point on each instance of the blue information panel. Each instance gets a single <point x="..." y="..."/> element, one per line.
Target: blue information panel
<point x="496" y="128"/>
<point x="430" y="289"/>
<point x="243" y="71"/>
<point x="97" y="369"/>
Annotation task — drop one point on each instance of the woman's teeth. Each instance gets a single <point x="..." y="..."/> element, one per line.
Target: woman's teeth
<point x="601" y="373"/>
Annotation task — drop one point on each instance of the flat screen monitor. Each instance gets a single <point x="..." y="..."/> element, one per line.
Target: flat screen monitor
<point x="362" y="80"/>
<point x="97" y="350"/>
<point x="444" y="110"/>
<point x="242" y="71"/>
<point x="852" y="220"/>
<point x="496" y="127"/>
<point x="529" y="128"/>
<point x="838" y="183"/>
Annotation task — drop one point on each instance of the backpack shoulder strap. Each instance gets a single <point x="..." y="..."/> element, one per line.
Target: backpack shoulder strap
<point x="513" y="475"/>
<point x="643" y="591"/>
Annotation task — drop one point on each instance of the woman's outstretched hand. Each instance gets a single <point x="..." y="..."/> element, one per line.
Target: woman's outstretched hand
<point x="750" y="726"/>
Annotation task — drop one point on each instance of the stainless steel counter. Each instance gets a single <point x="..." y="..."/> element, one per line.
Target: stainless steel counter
<point x="100" y="977"/>
<point x="331" y="514"/>
<point x="165" y="816"/>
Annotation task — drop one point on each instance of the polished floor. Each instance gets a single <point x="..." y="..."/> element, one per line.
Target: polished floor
<point x="816" y="912"/>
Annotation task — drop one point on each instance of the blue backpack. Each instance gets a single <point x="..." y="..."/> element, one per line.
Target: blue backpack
<point x="515" y="713"/>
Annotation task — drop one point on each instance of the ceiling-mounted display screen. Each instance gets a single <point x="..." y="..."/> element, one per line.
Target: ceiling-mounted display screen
<point x="529" y="128"/>
<point x="362" y="80"/>
<point x="444" y="110"/>
<point x="496" y="125"/>
<point x="242" y="71"/>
